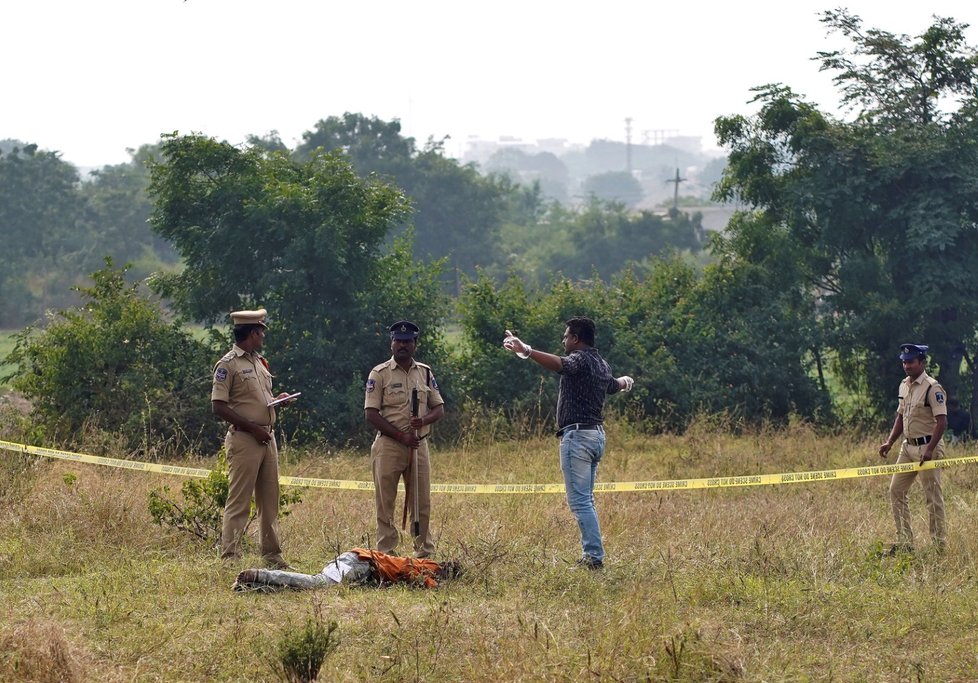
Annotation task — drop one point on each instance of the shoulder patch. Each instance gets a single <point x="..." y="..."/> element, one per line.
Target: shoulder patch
<point x="371" y="385"/>
<point x="221" y="374"/>
<point x="434" y="384"/>
<point x="939" y="397"/>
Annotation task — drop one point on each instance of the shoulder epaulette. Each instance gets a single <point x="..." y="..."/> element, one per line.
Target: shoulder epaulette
<point x="931" y="383"/>
<point x="427" y="370"/>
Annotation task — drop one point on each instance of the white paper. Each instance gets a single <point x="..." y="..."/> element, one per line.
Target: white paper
<point x="283" y="399"/>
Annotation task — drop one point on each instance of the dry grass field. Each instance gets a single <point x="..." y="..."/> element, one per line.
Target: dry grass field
<point x="774" y="583"/>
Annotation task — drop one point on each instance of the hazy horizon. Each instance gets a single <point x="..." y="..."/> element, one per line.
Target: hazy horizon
<point x="93" y="79"/>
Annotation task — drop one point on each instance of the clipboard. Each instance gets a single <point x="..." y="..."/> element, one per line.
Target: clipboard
<point x="272" y="404"/>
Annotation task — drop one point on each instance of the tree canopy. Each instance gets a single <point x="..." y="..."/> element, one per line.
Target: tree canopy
<point x="875" y="218"/>
<point x="58" y="228"/>
<point x="306" y="240"/>
<point x="456" y="213"/>
<point x="116" y="364"/>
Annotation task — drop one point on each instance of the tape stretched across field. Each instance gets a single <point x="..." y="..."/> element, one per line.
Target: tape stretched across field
<point x="604" y="487"/>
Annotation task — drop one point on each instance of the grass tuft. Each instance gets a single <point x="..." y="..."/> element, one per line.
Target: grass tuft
<point x="37" y="650"/>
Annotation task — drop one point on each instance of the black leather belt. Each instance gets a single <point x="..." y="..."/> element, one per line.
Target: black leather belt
<point x="577" y="425"/>
<point x="919" y="441"/>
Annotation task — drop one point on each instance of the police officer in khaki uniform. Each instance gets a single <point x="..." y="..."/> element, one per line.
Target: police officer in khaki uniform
<point x="921" y="419"/>
<point x="240" y="395"/>
<point x="387" y="407"/>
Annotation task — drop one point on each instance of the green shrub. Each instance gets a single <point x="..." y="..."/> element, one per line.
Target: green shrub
<point x="695" y="342"/>
<point x="116" y="364"/>
<point x="201" y="512"/>
<point x="298" y="656"/>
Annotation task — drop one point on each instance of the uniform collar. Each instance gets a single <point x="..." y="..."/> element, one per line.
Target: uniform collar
<point x="922" y="378"/>
<point x="392" y="364"/>
<point x="238" y="352"/>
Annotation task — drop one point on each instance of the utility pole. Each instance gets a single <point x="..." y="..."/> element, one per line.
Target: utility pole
<point x="675" y="196"/>
<point x="628" y="145"/>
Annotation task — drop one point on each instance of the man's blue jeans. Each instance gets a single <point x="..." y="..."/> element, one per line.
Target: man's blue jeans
<point x="580" y="453"/>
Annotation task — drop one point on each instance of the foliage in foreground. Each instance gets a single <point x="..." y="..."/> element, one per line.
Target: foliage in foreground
<point x="200" y="513"/>
<point x="299" y="654"/>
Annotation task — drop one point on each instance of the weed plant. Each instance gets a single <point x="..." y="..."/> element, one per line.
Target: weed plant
<point x="772" y="583"/>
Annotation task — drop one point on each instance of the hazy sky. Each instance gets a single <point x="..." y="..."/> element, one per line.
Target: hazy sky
<point x="91" y="78"/>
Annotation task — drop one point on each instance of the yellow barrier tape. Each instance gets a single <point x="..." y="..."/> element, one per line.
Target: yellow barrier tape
<point x="601" y="487"/>
<point x="108" y="462"/>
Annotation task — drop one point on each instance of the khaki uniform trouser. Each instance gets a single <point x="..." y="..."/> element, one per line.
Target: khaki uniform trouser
<point x="252" y="469"/>
<point x="930" y="480"/>
<point x="390" y="460"/>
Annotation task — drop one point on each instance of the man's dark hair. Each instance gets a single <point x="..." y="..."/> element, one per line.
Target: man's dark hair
<point x="582" y="328"/>
<point x="241" y="332"/>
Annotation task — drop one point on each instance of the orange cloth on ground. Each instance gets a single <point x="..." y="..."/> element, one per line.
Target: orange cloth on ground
<point x="401" y="569"/>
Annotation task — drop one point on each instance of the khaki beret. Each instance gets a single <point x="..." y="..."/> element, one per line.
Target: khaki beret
<point x="250" y="317"/>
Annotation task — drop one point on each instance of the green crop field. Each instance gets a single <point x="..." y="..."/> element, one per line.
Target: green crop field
<point x="6" y="346"/>
<point x="770" y="583"/>
<point x="6" y="342"/>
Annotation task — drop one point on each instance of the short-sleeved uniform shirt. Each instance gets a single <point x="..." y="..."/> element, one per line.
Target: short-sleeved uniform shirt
<point x="585" y="381"/>
<point x="389" y="391"/>
<point x="242" y="380"/>
<point x="920" y="402"/>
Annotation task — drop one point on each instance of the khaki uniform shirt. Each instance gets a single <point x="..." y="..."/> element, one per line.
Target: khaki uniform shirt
<point x="389" y="391"/>
<point x="242" y="380"/>
<point x="919" y="419"/>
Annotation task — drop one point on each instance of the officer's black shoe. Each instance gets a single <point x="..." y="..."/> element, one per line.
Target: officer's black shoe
<point x="589" y="563"/>
<point x="897" y="549"/>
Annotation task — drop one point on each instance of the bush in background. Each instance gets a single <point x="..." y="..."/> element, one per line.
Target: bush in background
<point x="116" y="363"/>
<point x="716" y="341"/>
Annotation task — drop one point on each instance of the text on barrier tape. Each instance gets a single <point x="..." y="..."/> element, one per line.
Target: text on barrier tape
<point x="601" y="487"/>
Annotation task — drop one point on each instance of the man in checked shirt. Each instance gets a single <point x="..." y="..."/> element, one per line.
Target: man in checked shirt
<point x="585" y="380"/>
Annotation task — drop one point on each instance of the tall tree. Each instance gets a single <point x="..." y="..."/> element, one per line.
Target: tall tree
<point x="40" y="210"/>
<point x="879" y="214"/>
<point x="305" y="240"/>
<point x="118" y="211"/>
<point x="456" y="213"/>
<point x="614" y="186"/>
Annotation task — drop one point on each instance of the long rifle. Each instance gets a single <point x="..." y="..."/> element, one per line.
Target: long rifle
<point x="416" y="517"/>
<point x="416" y="520"/>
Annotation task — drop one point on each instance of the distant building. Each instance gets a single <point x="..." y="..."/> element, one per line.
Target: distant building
<point x="479" y="150"/>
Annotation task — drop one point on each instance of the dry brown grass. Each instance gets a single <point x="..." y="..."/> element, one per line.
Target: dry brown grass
<point x="768" y="583"/>
<point x="38" y="650"/>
